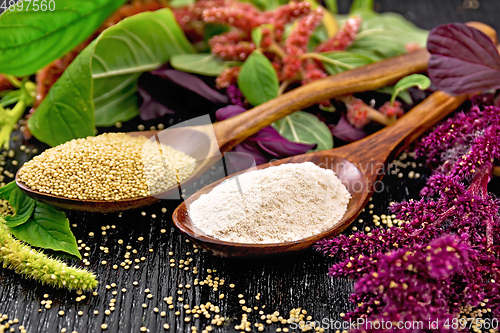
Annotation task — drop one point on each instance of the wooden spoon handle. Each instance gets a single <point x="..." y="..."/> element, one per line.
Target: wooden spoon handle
<point x="384" y="145"/>
<point x="232" y="131"/>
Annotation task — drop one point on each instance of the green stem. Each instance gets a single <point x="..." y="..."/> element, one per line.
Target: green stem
<point x="9" y="118"/>
<point x="320" y="57"/>
<point x="332" y="6"/>
<point x="283" y="87"/>
<point x="275" y="48"/>
<point x="13" y="80"/>
<point x="33" y="264"/>
<point x="361" y="4"/>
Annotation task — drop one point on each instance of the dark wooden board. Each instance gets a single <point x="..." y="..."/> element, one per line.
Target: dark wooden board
<point x="284" y="282"/>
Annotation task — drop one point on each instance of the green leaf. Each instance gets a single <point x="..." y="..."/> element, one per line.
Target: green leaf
<point x="266" y="4"/>
<point x="6" y="190"/>
<point x="400" y="27"/>
<point x="32" y="39"/>
<point x="332" y="6"/>
<point x="181" y="3"/>
<point x="304" y="127"/>
<point x="420" y="81"/>
<point x="381" y="43"/>
<point x="361" y="4"/>
<point x="22" y="204"/>
<point x="11" y="98"/>
<point x="336" y="62"/>
<point x="257" y="36"/>
<point x="212" y="29"/>
<point x="404" y="95"/>
<point x="67" y="112"/>
<point x="387" y="35"/>
<point x="48" y="229"/>
<point x="102" y="80"/>
<point x="204" y="63"/>
<point x="258" y="80"/>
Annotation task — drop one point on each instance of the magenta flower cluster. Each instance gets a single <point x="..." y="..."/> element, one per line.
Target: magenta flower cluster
<point x="446" y="258"/>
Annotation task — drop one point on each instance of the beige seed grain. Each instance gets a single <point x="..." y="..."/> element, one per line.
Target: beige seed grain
<point x="113" y="161"/>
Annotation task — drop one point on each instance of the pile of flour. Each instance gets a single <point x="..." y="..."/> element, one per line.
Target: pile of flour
<point x="282" y="203"/>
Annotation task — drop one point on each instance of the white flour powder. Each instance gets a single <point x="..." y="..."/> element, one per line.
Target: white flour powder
<point x="277" y="204"/>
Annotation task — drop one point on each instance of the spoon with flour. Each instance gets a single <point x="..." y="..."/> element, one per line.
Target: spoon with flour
<point x="360" y="167"/>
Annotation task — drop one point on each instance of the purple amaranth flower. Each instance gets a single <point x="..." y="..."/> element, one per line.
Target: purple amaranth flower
<point x="407" y="285"/>
<point x="235" y="95"/>
<point x="482" y="153"/>
<point x="447" y="139"/>
<point x="446" y="185"/>
<point x="415" y="273"/>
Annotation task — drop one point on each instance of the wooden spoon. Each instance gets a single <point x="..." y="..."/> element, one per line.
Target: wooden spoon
<point x="359" y="165"/>
<point x="206" y="142"/>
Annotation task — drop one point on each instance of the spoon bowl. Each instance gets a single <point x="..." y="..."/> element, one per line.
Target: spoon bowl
<point x="360" y="166"/>
<point x="205" y="154"/>
<point x="348" y="174"/>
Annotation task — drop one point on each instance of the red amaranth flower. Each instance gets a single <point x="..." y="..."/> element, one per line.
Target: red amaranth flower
<point x="231" y="37"/>
<point x="392" y="110"/>
<point x="227" y="77"/>
<point x="285" y="14"/>
<point x="292" y="67"/>
<point x="237" y="14"/>
<point x="236" y="52"/>
<point x="267" y="38"/>
<point x="313" y="72"/>
<point x="299" y="37"/>
<point x="296" y="43"/>
<point x="190" y="18"/>
<point x="359" y="114"/>
<point x="412" y="46"/>
<point x="343" y="38"/>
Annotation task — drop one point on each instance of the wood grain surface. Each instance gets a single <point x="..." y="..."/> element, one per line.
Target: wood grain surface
<point x="284" y="283"/>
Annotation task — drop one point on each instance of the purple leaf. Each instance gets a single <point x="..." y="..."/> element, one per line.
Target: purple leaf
<point x="243" y="156"/>
<point x="192" y="83"/>
<point x="150" y="108"/>
<point x="169" y="91"/>
<point x="267" y="141"/>
<point x="228" y="112"/>
<point x="345" y="131"/>
<point x="237" y="161"/>
<point x="274" y="144"/>
<point x="463" y="59"/>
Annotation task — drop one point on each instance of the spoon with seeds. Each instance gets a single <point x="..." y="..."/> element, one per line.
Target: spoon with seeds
<point x="206" y="143"/>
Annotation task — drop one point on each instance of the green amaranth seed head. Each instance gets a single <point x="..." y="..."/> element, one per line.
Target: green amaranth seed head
<point x="35" y="265"/>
